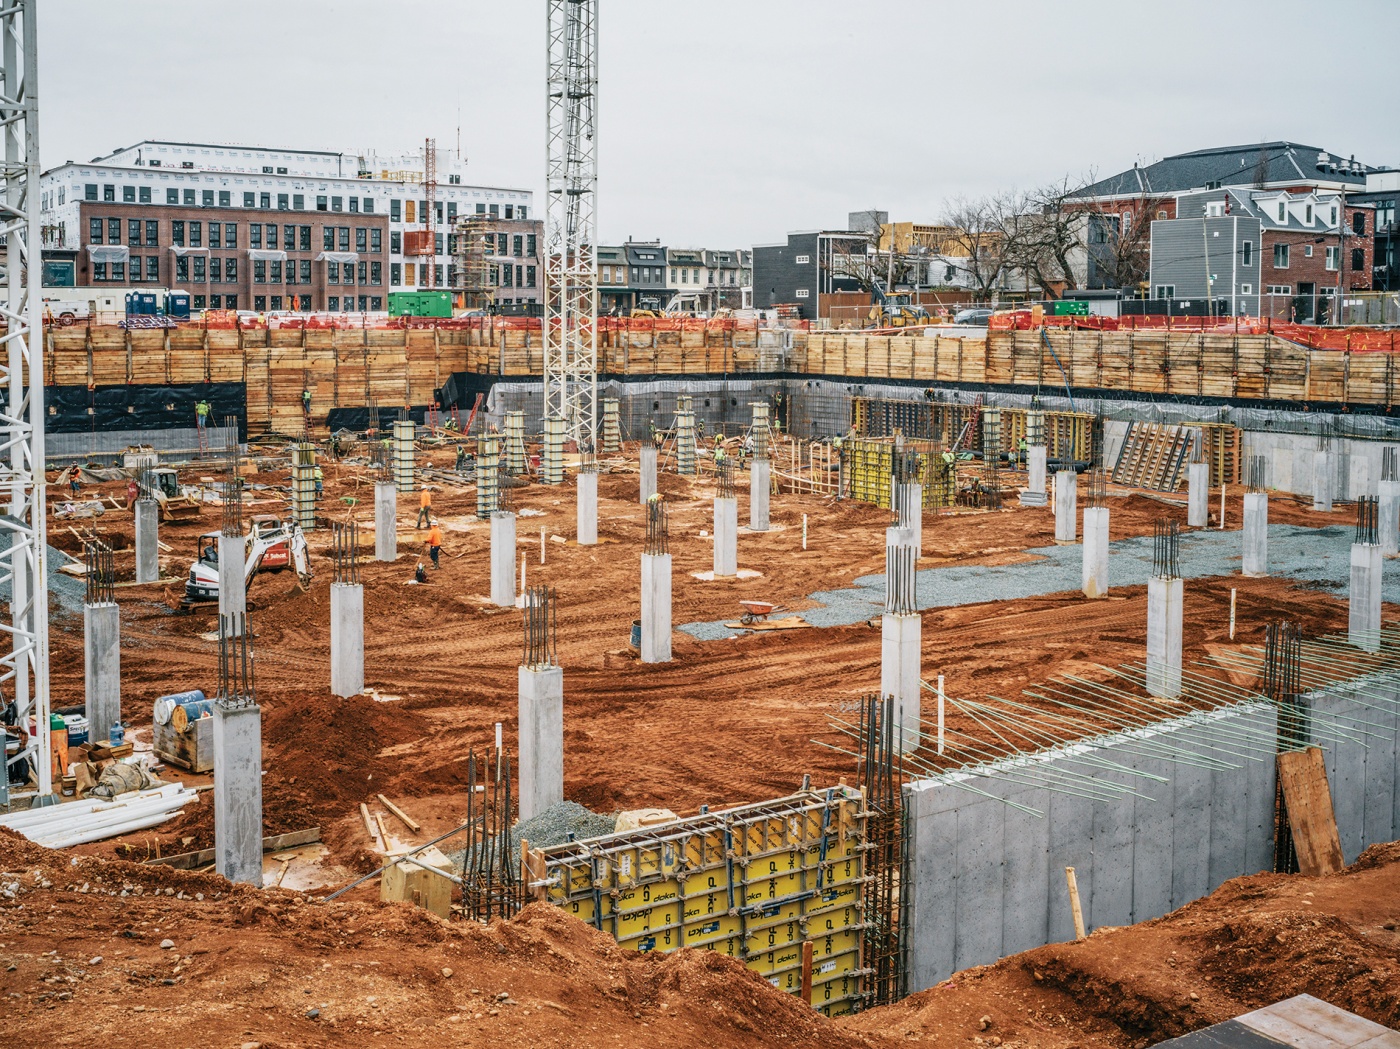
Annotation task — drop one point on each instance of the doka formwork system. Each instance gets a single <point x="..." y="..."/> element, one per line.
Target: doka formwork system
<point x="753" y="882"/>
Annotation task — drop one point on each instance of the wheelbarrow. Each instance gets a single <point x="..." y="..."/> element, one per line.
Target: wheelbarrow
<point x="757" y="611"/>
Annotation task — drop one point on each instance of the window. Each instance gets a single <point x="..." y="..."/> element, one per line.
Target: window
<point x="109" y="193"/>
<point x="1247" y="253"/>
<point x="1307" y="251"/>
<point x="332" y="272"/>
<point x="230" y="234"/>
<point x="172" y="196"/>
<point x="800" y="293"/>
<point x="271" y="235"/>
<point x="508" y="275"/>
<point x="1358" y="260"/>
<point x="1246" y="289"/>
<point x="99" y="271"/>
<point x="128" y="194"/>
<point x="321" y="202"/>
<point x="255" y="235"/>
<point x="298" y="202"/>
<point x="802" y="260"/>
<point x="395" y="242"/>
<point x="332" y="302"/>
<point x="90" y="191"/>
<point x="289" y="238"/>
<point x="607" y="275"/>
<point x="451" y="210"/>
<point x="94" y="231"/>
<point x="216" y="235"/>
<point x="344" y="235"/>
<point x="198" y="275"/>
<point x="303" y="270"/>
<point x="265" y="201"/>
<point x="529" y="276"/>
<point x="395" y="209"/>
<point x="197" y="302"/>
<point x="196" y="234"/>
<point x="395" y="274"/>
<point x="177" y="232"/>
<point x="187" y="198"/>
<point x="1333" y="256"/>
<point x="355" y="205"/>
<point x="259" y="302"/>
<point x="376" y="272"/>
<point x="259" y="271"/>
<point x="368" y="208"/>
<point x="1358" y="223"/>
<point x="282" y="202"/>
<point x="207" y="198"/>
<point x="530" y="249"/>
<point x="364" y="272"/>
<point x="1334" y="215"/>
<point x="375" y="241"/>
<point x="437" y="244"/>
<point x="520" y="212"/>
<point x="1214" y="209"/>
<point x="225" y="198"/>
<point x="152" y="233"/>
<point x="216" y="271"/>
<point x="480" y="208"/>
<point x="182" y="269"/>
<point x="437" y="275"/>
<point x="275" y="276"/>
<point x="119" y="271"/>
<point x="230" y="301"/>
<point x="304" y="237"/>
<point x="1280" y="256"/>
<point x="518" y="245"/>
<point x="337" y="204"/>
<point x="114" y="231"/>
<point x="1279" y="289"/>
<point x="361" y="239"/>
<point x="133" y="232"/>
<point x="376" y="303"/>
<point x="501" y="245"/>
<point x="510" y="211"/>
<point x="145" y="195"/>
<point x="410" y="211"/>
<point x="1307" y="214"/>
<point x="231" y="275"/>
<point x="248" y="200"/>
<point x="1283" y="211"/>
<point x="328" y="238"/>
<point x="136" y="269"/>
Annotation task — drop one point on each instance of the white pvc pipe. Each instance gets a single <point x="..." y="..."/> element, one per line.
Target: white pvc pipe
<point x="112" y="832"/>
<point x="75" y="809"/>
<point x="97" y="821"/>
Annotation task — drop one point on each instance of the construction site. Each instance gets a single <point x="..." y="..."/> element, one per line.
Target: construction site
<point x="580" y="680"/>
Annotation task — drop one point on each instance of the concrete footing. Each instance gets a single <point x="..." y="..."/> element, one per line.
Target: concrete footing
<point x="503" y="559"/>
<point x="238" y="793"/>
<point x="587" y="527"/>
<point x="347" y="639"/>
<point x="147" y="541"/>
<point x="1198" y="495"/>
<point x="1388" y="517"/>
<point x="386" y="528"/>
<point x="1364" y="604"/>
<point x="726" y="538"/>
<point x="648" y="474"/>
<point x="909" y="505"/>
<point x="1066" y="506"/>
<point x="1164" y="637"/>
<point x="1322" y="481"/>
<point x="233" y="588"/>
<point x="102" y="667"/>
<point x="541" y="760"/>
<point x="1255" y="560"/>
<point x="656" y="608"/>
<point x="760" y="479"/>
<point x="1095" y="575"/>
<point x="901" y="655"/>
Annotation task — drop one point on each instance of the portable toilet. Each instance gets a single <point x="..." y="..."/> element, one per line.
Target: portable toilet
<point x="177" y="305"/>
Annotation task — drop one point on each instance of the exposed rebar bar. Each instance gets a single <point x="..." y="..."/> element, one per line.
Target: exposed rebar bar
<point x="541" y="647"/>
<point x="881" y="774"/>
<point x="1095" y="488"/>
<point x="658" y="527"/>
<point x="1255" y="473"/>
<point x="901" y="584"/>
<point x="1389" y="469"/>
<point x="491" y="884"/>
<point x="345" y="552"/>
<point x="724" y="476"/>
<point x="1166" y="543"/>
<point x="1367" y="520"/>
<point x="233" y="484"/>
<point x="237" y="683"/>
<point x="100" y="574"/>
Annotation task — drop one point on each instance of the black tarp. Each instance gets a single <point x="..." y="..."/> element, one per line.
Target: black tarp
<point x="77" y="409"/>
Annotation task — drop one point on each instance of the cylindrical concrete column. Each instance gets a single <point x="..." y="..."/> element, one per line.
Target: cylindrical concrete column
<point x="386" y="528"/>
<point x="233" y="587"/>
<point x="541" y="758"/>
<point x="1198" y="495"/>
<point x="1164" y="637"/>
<point x="587" y="508"/>
<point x="760" y="480"/>
<point x="1388" y="517"/>
<point x="503" y="559"/>
<point x="656" y="608"/>
<point x="1364" y="604"/>
<point x="901" y="667"/>
<point x="1066" y="506"/>
<point x="726" y="538"/>
<point x="102" y="666"/>
<point x="347" y="639"/>
<point x="1255" y="560"/>
<point x="147" y="541"/>
<point x="1095" y="574"/>
<point x="648" y="474"/>
<point x="238" y="793"/>
<point x="1322" y="481"/>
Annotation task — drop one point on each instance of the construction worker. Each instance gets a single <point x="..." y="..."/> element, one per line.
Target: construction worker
<point x="425" y="503"/>
<point x="306" y="402"/>
<point x="320" y="478"/>
<point x="420" y="574"/>
<point x="201" y="414"/>
<point x="461" y="457"/>
<point x="1021" y="452"/>
<point x="434" y="544"/>
<point x="719" y="453"/>
<point x="73" y="483"/>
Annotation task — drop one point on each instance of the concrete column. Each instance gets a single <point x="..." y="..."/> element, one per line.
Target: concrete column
<point x="909" y="504"/>
<point x="147" y="541"/>
<point x="1364" y="606"/>
<point x="1198" y="495"/>
<point x="901" y="666"/>
<point x="760" y="479"/>
<point x="233" y="588"/>
<point x="541" y="759"/>
<point x="238" y="793"/>
<point x="726" y="538"/>
<point x="386" y="527"/>
<point x="1066" y="506"/>
<point x="1095" y="551"/>
<point x="1164" y="637"/>
<point x="102" y="667"/>
<point x="1388" y="517"/>
<point x="1256" y="534"/>
<point x="347" y="639"/>
<point x="656" y="608"/>
<point x="503" y="559"/>
<point x="648" y="488"/>
<point x="1322" y="481"/>
<point x="1035" y="468"/>
<point x="587" y="528"/>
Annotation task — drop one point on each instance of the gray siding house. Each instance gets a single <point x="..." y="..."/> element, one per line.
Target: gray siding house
<point x="1212" y="251"/>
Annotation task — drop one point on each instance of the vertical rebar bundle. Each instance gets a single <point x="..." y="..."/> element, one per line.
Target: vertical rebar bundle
<point x="1198" y="445"/>
<point x="881" y="774"/>
<point x="1254" y="473"/>
<point x="233" y="487"/>
<point x="237" y="685"/>
<point x="304" y="485"/>
<point x="685" y="442"/>
<point x="989" y="492"/>
<point x="658" y="528"/>
<point x="1035" y="427"/>
<point x="345" y="552"/>
<point x="505" y="489"/>
<point x="611" y="442"/>
<point x="761" y="429"/>
<point x="101" y="574"/>
<point x="146" y="484"/>
<point x="1095" y="488"/>
<point x="541" y="646"/>
<point x="515" y="444"/>
<point x="991" y="436"/>
<point x="1283" y="675"/>
<point x="1166" y="543"/>
<point x="906" y="467"/>
<point x="1389" y="470"/>
<point x="901" y="598"/>
<point x="488" y="474"/>
<point x="1367" y="520"/>
<point x="1096" y="440"/>
<point x="491" y="885"/>
<point x="724" y="475"/>
<point x="552" y="454"/>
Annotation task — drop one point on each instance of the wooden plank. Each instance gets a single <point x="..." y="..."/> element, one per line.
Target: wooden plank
<point x="273" y="843"/>
<point x="408" y="820"/>
<point x="1310" y="814"/>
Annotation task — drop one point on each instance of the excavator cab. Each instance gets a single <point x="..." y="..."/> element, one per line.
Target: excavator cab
<point x="209" y="549"/>
<point x="167" y="481"/>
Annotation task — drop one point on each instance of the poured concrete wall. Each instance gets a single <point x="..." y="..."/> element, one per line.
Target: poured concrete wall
<point x="988" y="880"/>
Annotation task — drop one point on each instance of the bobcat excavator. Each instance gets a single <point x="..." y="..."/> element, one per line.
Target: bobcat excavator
<point x="202" y="586"/>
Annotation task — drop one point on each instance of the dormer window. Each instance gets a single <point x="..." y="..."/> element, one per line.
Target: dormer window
<point x="1307" y="215"/>
<point x="1283" y="211"/>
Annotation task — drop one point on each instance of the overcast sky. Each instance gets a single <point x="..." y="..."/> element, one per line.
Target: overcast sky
<point x="731" y="122"/>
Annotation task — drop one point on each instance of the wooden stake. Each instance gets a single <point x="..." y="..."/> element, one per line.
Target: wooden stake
<point x="1222" y="508"/>
<point x="541" y="544"/>
<point x="369" y="824"/>
<point x="807" y="972"/>
<point x="1074" y="903"/>
<point x="804" y="531"/>
<point x="383" y="833"/>
<point x="408" y="821"/>
<point x="1232" y="613"/>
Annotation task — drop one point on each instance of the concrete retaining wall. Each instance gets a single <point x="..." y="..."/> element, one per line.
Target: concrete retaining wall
<point x="987" y="880"/>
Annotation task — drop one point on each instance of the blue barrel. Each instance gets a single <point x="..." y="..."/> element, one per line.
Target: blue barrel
<point x="77" y="729"/>
<point x="191" y="706"/>
<point x="636" y="641"/>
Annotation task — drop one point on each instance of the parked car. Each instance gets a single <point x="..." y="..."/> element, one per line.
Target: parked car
<point x="973" y="316"/>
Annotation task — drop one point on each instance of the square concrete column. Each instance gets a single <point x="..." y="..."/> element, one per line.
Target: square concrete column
<point x="648" y="486"/>
<point x="909" y="505"/>
<point x="1035" y="468"/>
<point x="503" y="559"/>
<point x="233" y="587"/>
<point x="656" y="608"/>
<point x="726" y="538"/>
<point x="1256" y="534"/>
<point x="147" y="541"/>
<point x="587" y="527"/>
<point x="1164" y="637"/>
<point x="1364" y="606"/>
<point x="1198" y="495"/>
<point x="238" y="792"/>
<point x="386" y="526"/>
<point x="1095" y="574"/>
<point x="1322" y="481"/>
<point x="102" y="667"/>
<point x="901" y="667"/>
<point x="347" y="639"/>
<point x="541" y="761"/>
<point x="1066" y="506"/>
<point x="1388" y="517"/>
<point x="760" y="478"/>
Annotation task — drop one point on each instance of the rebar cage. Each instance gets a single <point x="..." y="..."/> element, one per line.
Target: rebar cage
<point x="345" y="552"/>
<point x="540" y="623"/>
<point x="900" y="579"/>
<point x="100" y="574"/>
<point x="491" y="885"/>
<point x="658" y="527"/>
<point x="1283" y="676"/>
<point x="1367" y="520"/>
<point x="881" y="776"/>
<point x="724" y="477"/>
<point x="1166" y="544"/>
<point x="237" y="682"/>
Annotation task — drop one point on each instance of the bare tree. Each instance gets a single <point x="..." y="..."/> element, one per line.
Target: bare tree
<point x="869" y="266"/>
<point x="977" y="235"/>
<point x="1045" y="236"/>
<point x="1120" y="244"/>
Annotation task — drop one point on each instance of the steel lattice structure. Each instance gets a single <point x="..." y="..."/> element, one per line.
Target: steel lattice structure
<point x="571" y="223"/>
<point x="24" y="669"/>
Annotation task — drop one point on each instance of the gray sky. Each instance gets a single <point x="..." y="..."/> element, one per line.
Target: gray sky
<point x="730" y="122"/>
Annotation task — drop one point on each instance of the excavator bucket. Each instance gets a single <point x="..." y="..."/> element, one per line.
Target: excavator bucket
<point x="179" y="509"/>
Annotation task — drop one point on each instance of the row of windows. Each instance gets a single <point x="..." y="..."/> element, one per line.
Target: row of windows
<point x="417" y="211"/>
<point x="190" y="234"/>
<point x="1333" y="257"/>
<point x="292" y="201"/>
<point x="196" y="269"/>
<point x="502" y="276"/>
